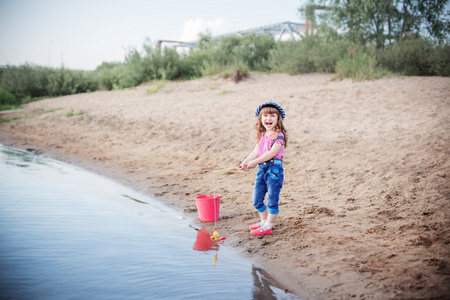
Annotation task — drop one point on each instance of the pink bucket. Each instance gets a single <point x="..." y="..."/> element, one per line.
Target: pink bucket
<point x="208" y="207"/>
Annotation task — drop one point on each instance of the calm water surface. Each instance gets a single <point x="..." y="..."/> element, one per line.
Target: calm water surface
<point x="70" y="234"/>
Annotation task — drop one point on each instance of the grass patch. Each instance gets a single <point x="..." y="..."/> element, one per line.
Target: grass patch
<point x="213" y="86"/>
<point x="71" y="113"/>
<point x="43" y="112"/>
<point x="4" y="120"/>
<point x="9" y="107"/>
<point x="224" y="92"/>
<point x="27" y="116"/>
<point x="157" y="86"/>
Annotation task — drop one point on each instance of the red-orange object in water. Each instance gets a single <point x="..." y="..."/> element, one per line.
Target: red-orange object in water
<point x="203" y="242"/>
<point x="219" y="239"/>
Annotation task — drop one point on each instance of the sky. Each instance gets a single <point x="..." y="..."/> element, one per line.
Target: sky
<point x="81" y="34"/>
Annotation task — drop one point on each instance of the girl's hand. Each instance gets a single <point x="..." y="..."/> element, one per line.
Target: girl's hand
<point x="252" y="164"/>
<point x="243" y="166"/>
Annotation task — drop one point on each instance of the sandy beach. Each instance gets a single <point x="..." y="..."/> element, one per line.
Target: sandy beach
<point x="365" y="206"/>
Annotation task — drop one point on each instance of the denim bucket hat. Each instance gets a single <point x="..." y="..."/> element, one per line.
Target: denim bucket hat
<point x="273" y="103"/>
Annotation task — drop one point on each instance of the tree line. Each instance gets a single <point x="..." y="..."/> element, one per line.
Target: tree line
<point x="354" y="38"/>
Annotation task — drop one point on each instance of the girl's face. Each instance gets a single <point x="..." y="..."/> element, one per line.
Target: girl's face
<point x="269" y="120"/>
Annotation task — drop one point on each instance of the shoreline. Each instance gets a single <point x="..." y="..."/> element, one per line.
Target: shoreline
<point x="115" y="174"/>
<point x="364" y="209"/>
<point x="192" y="217"/>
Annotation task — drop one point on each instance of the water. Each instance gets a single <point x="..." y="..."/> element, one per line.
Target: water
<point x="70" y="234"/>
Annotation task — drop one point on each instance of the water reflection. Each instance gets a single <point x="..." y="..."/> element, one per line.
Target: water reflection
<point x="265" y="288"/>
<point x="203" y="241"/>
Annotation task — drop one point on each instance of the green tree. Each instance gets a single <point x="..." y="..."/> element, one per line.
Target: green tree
<point x="382" y="21"/>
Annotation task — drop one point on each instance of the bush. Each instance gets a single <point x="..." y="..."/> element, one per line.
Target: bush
<point x="7" y="99"/>
<point x="20" y="81"/>
<point x="311" y="54"/>
<point x="223" y="51"/>
<point x="150" y="65"/>
<point x="293" y="58"/>
<point x="410" y="57"/>
<point x="107" y="75"/>
<point x="218" y="55"/>
<point x="359" y="66"/>
<point x="35" y="81"/>
<point x="66" y="82"/>
<point x="254" y="51"/>
<point x="233" y="56"/>
<point x="169" y="65"/>
<point x="440" y="60"/>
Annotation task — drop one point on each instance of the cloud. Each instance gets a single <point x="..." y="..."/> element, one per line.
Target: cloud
<point x="192" y="28"/>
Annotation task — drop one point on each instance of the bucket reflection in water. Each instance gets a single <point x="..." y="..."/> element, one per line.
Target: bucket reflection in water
<point x="204" y="242"/>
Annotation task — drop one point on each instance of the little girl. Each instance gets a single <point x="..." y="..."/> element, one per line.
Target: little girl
<point x="268" y="153"/>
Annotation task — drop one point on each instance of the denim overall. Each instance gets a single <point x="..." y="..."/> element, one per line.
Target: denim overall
<point x="269" y="179"/>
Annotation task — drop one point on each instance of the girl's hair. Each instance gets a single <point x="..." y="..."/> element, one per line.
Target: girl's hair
<point x="259" y="128"/>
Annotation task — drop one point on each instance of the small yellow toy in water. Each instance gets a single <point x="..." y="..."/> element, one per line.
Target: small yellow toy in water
<point x="215" y="235"/>
<point x="215" y="259"/>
